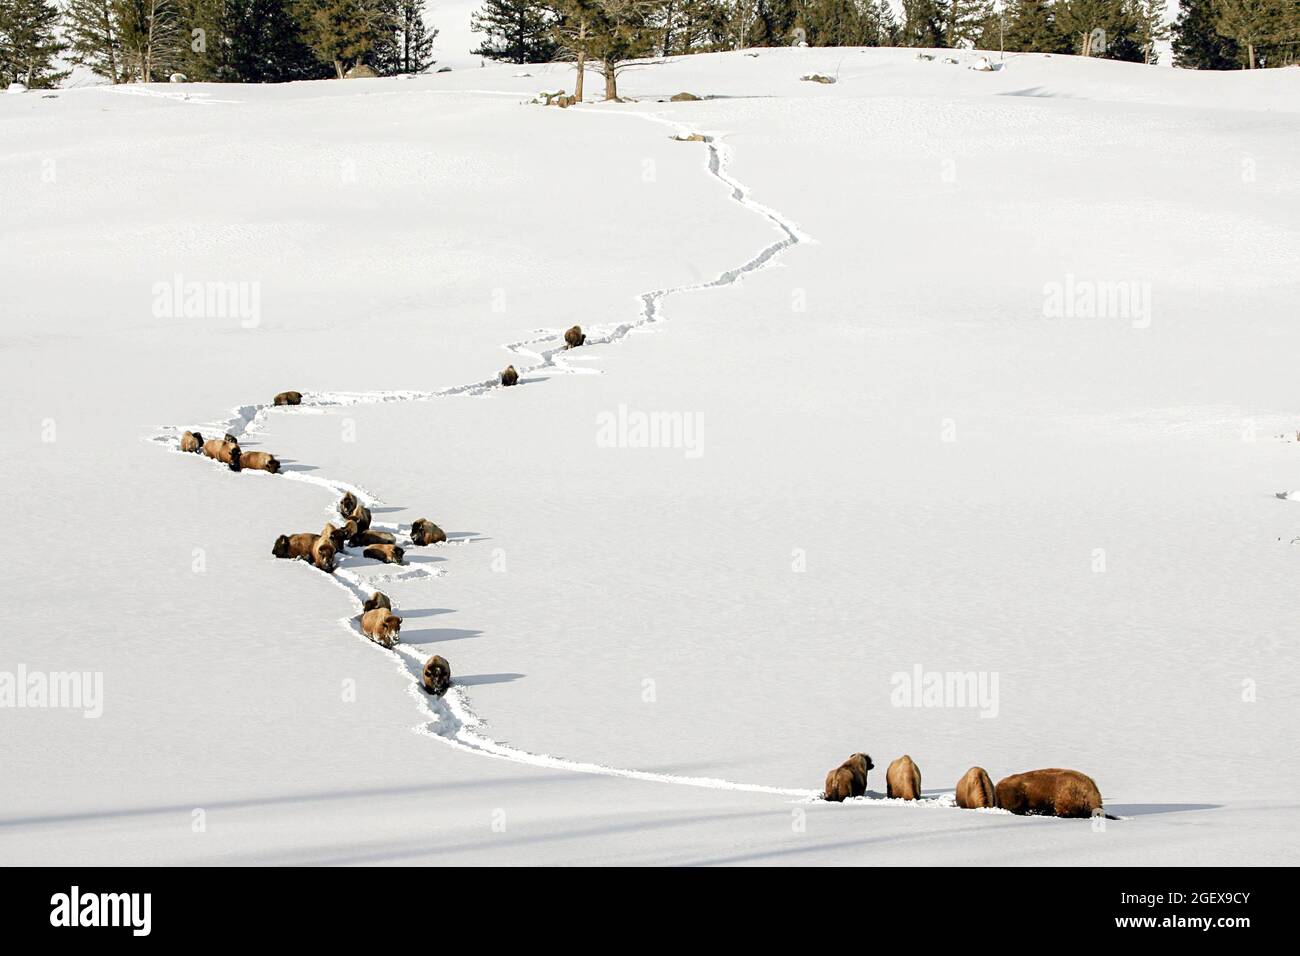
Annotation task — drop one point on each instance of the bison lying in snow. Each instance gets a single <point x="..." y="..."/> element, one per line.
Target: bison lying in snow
<point x="424" y="532"/>
<point x="223" y="451"/>
<point x="1053" y="792"/>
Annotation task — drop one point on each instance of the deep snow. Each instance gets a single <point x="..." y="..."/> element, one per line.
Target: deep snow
<point x="888" y="405"/>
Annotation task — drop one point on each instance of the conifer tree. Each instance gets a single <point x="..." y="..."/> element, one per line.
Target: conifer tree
<point x="517" y="31"/>
<point x="345" y="33"/>
<point x="1031" y="27"/>
<point x="834" y="23"/>
<point x="964" y="20"/>
<point x="408" y="48"/>
<point x="923" y="23"/>
<point x="92" y="28"/>
<point x="1251" y="23"/>
<point x="30" y="43"/>
<point x="623" y="31"/>
<point x="1197" y="43"/>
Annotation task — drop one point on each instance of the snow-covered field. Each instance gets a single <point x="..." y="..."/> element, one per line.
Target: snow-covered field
<point x="960" y="373"/>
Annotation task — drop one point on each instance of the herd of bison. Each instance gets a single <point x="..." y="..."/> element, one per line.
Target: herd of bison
<point x="1054" y="792"/>
<point x="377" y="620"/>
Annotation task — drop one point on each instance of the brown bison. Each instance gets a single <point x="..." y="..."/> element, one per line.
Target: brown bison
<point x="437" y="675"/>
<point x="975" y="790"/>
<point x="1053" y="793"/>
<point x="259" y="461"/>
<point x="315" y="548"/>
<point x="348" y="504"/>
<point x="360" y="516"/>
<point x="382" y="626"/>
<point x="288" y="398"/>
<point x="574" y="337"/>
<point x="903" y="779"/>
<point x="191" y="441"/>
<point x="387" y="553"/>
<point x="371" y="537"/>
<point x="338" y="536"/>
<point x="425" y="532"/>
<point x="849" y="779"/>
<point x="509" y="376"/>
<point x="378" y="599"/>
<point x="223" y="451"/>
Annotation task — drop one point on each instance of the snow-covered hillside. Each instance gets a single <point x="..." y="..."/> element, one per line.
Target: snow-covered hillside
<point x="927" y="370"/>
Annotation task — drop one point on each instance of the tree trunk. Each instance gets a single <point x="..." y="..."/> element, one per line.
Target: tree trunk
<point x="338" y="68"/>
<point x="611" y="81"/>
<point x="1250" y="48"/>
<point x="582" y="61"/>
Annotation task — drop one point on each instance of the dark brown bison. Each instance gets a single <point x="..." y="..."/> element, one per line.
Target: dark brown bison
<point x="360" y="515"/>
<point x="371" y="537"/>
<point x="903" y="779"/>
<point x="849" y="779"/>
<point x="437" y="675"/>
<point x="425" y="532"/>
<point x="1053" y="792"/>
<point x="348" y="504"/>
<point x="378" y="599"/>
<point x="509" y="376"/>
<point x="338" y="536"/>
<point x="975" y="790"/>
<point x="288" y="398"/>
<point x="574" y="337"/>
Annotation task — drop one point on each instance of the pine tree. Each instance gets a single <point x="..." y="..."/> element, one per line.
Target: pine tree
<point x="409" y="47"/>
<point x="1197" y="43"/>
<point x="266" y="43"/>
<point x="1149" y="26"/>
<point x="345" y="33"/>
<point x="882" y="28"/>
<point x="92" y="29"/>
<point x="834" y="23"/>
<point x="574" y="35"/>
<point x="1031" y="27"/>
<point x="149" y="34"/>
<point x="1101" y="28"/>
<point x="30" y="43"/>
<point x="964" y="20"/>
<point x="517" y="31"/>
<point x="623" y="30"/>
<point x="1252" y="24"/>
<point x="772" y="23"/>
<point x="923" y="23"/>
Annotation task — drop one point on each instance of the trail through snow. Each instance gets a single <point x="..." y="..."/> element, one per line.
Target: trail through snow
<point x="452" y="718"/>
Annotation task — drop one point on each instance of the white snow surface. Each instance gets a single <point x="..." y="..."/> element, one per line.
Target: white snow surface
<point x="897" y="456"/>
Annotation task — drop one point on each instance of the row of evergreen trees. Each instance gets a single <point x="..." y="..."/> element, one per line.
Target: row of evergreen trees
<point x="251" y="41"/>
<point x="275" y="40"/>
<point x="1209" y="34"/>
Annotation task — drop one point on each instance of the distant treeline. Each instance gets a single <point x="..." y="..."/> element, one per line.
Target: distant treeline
<point x="247" y="41"/>
<point x="255" y="41"/>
